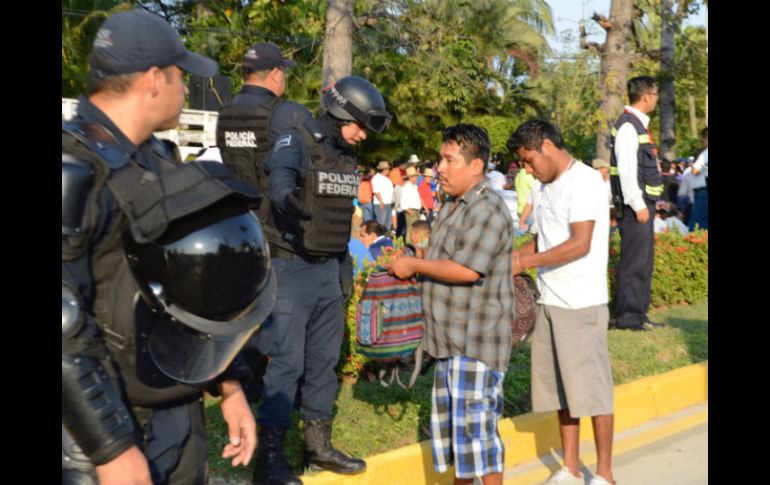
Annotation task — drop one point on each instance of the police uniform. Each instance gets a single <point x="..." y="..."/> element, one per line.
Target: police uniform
<point x="114" y="392"/>
<point x="312" y="183"/>
<point x="307" y="245"/>
<point x="246" y="129"/>
<point x="633" y="295"/>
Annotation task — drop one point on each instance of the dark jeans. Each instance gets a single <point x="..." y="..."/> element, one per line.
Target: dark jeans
<point x="383" y="215"/>
<point x="700" y="209"/>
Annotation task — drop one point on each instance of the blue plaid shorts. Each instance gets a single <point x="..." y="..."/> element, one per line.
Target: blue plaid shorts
<point x="467" y="401"/>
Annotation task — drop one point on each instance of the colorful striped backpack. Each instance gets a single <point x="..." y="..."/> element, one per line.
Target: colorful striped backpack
<point x="390" y="323"/>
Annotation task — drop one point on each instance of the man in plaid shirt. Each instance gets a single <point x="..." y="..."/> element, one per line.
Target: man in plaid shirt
<point x="467" y="296"/>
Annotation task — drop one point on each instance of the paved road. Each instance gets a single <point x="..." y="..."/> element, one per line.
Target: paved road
<point x="681" y="459"/>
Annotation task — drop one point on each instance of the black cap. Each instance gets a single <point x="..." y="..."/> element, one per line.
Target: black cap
<point x="136" y="41"/>
<point x="264" y="56"/>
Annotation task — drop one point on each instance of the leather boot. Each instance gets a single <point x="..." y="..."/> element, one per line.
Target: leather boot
<point x="270" y="466"/>
<point x="320" y="454"/>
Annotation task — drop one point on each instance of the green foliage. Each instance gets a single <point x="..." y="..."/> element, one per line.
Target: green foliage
<point x="79" y="22"/>
<point x="498" y="127"/>
<point x="681" y="267"/>
<point x="571" y="101"/>
<point x="224" y="29"/>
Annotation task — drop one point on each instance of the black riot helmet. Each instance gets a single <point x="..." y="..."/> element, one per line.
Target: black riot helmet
<point x="208" y="278"/>
<point x="355" y="99"/>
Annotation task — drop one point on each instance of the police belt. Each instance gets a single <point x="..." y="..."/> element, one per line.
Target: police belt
<point x="282" y="253"/>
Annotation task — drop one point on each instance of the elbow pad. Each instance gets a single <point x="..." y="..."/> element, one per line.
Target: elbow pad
<point x="92" y="410"/>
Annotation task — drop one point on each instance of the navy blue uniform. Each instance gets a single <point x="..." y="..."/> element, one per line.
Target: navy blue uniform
<point x="304" y="333"/>
<point x="167" y="415"/>
<point x="172" y="437"/>
<point x="285" y="116"/>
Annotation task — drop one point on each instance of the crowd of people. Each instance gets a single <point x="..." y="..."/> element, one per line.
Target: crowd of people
<point x="231" y="276"/>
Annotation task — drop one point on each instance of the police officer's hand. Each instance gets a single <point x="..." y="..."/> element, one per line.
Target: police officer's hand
<point x="294" y="208"/>
<point x="241" y="426"/>
<point x="128" y="468"/>
<point x="642" y="216"/>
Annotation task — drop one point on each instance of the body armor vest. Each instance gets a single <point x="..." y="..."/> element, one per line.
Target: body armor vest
<point x="327" y="193"/>
<point x="647" y="171"/>
<point x="243" y="138"/>
<point x="330" y="186"/>
<point x="120" y="312"/>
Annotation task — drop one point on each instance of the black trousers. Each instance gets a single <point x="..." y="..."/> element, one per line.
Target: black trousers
<point x="637" y="257"/>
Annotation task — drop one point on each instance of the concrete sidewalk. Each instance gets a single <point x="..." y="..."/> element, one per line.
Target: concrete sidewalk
<point x="648" y="411"/>
<point x="671" y="450"/>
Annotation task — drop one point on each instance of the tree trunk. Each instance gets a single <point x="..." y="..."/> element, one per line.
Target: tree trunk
<point x="693" y="118"/>
<point x="667" y="99"/>
<point x="614" y="72"/>
<point x="338" y="41"/>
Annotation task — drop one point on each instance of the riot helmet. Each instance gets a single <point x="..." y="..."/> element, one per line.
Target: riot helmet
<point x="209" y="281"/>
<point x="355" y="99"/>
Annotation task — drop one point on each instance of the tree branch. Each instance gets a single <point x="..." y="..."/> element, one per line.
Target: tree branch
<point x="603" y="21"/>
<point x="526" y="56"/>
<point x="590" y="46"/>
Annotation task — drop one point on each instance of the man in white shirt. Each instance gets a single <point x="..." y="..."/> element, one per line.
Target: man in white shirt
<point x="382" y="190"/>
<point x="700" y="169"/>
<point x="636" y="185"/>
<point x="496" y="179"/>
<point x="410" y="200"/>
<point x="570" y="361"/>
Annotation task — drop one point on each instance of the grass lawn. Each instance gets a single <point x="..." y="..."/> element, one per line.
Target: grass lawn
<point x="371" y="419"/>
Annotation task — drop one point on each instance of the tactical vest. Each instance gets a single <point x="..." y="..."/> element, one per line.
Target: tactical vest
<point x="328" y="190"/>
<point x="647" y="171"/>
<point x="146" y="210"/>
<point x="243" y="138"/>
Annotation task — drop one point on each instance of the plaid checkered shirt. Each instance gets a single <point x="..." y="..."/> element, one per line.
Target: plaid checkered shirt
<point x="472" y="319"/>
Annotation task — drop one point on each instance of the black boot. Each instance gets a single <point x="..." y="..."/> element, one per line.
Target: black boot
<point x="270" y="466"/>
<point x="319" y="452"/>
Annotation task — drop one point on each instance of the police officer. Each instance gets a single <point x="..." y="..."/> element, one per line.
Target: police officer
<point x="246" y="129"/>
<point x="636" y="185"/>
<point x="165" y="273"/>
<point x="312" y="184"/>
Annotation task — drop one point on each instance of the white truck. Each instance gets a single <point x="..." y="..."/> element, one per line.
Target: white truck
<point x="196" y="130"/>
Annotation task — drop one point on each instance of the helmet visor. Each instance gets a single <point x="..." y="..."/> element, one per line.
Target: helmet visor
<point x="198" y="350"/>
<point x="378" y="121"/>
<point x="192" y="357"/>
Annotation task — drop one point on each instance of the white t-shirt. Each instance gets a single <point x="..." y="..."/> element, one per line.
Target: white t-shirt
<point x="410" y="197"/>
<point x="702" y="163"/>
<point x="382" y="185"/>
<point x="496" y="180"/>
<point x="577" y="195"/>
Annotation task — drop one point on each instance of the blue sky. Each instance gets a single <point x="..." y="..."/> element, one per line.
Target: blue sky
<point x="567" y="13"/>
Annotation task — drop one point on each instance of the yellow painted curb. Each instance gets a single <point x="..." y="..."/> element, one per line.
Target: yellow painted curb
<point x="534" y="434"/>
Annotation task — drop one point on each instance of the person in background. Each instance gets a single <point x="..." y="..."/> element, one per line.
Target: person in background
<point x="637" y="186"/>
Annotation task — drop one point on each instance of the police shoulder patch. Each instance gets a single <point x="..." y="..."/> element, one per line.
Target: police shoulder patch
<point x="283" y="141"/>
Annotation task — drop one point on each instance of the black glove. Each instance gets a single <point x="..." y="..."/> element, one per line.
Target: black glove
<point x="294" y="208"/>
<point x="346" y="276"/>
